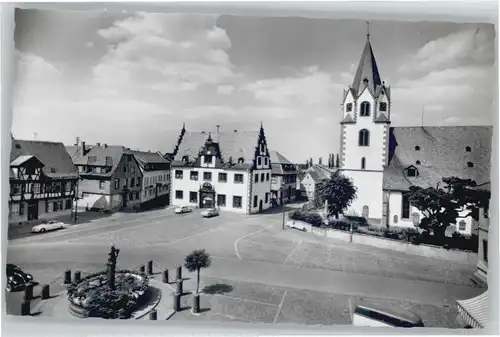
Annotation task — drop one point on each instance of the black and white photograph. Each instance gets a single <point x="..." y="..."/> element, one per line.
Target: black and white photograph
<point x="191" y="167"/>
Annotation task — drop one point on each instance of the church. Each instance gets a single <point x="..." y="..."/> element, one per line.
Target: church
<point x="384" y="161"/>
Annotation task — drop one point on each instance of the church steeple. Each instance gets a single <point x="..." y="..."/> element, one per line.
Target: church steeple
<point x="367" y="73"/>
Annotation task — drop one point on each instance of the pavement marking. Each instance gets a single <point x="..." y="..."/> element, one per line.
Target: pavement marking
<point x="280" y="306"/>
<point x="244" y="237"/>
<point x="186" y="238"/>
<point x="293" y="251"/>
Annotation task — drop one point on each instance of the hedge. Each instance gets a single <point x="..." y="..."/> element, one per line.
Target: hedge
<point x="314" y="219"/>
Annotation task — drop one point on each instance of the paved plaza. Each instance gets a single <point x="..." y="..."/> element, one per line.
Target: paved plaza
<point x="265" y="274"/>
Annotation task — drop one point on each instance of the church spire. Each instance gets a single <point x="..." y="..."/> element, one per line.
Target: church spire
<point x="367" y="73"/>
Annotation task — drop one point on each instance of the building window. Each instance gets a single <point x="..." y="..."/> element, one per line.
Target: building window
<point x="125" y="167"/>
<point x="382" y="106"/>
<point x="468" y="149"/>
<point x="364" y="137"/>
<point x="14" y="208"/>
<point x="462" y="225"/>
<point x="237" y="201"/>
<point x="68" y="204"/>
<point x="137" y="196"/>
<point x="207" y="159"/>
<point x="485" y="250"/>
<point x="36" y="188"/>
<point x="193" y="175"/>
<point x="16" y="189"/>
<point x="132" y="182"/>
<point x="179" y="194"/>
<point x="117" y="183"/>
<point x="133" y="169"/>
<point x="267" y="176"/>
<point x="411" y="172"/>
<point x="365" y="109"/>
<point x="259" y="161"/>
<point x="363" y="163"/>
<point x="178" y="174"/>
<point x="125" y="182"/>
<point x="267" y="198"/>
<point x="238" y="178"/>
<point x="255" y="201"/>
<point x="57" y="206"/>
<point x="101" y="184"/>
<point x="470" y="164"/>
<point x="256" y="178"/>
<point x="145" y="193"/>
<point x="405" y="201"/>
<point x="207" y="176"/>
<point x="193" y="197"/>
<point x="221" y="200"/>
<point x="349" y="107"/>
<point x="138" y="182"/>
<point x="262" y="177"/>
<point x="222" y="177"/>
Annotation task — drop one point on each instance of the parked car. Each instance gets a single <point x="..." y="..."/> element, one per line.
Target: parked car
<point x="49" y="226"/>
<point x="392" y="316"/>
<point x="17" y="279"/>
<point x="210" y="212"/>
<point x="299" y="225"/>
<point x="183" y="209"/>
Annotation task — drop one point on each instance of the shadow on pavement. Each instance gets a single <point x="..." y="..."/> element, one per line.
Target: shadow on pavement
<point x="218" y="288"/>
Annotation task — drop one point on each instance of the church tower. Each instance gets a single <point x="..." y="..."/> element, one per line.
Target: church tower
<point x="366" y="112"/>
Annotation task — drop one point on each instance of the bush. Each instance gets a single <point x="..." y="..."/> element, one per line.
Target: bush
<point x="93" y="294"/>
<point x="342" y="225"/>
<point x="313" y="219"/>
<point x="358" y="220"/>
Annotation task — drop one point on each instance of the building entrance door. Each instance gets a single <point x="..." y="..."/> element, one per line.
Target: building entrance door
<point x="32" y="210"/>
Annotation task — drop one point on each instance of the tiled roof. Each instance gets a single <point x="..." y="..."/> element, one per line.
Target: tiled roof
<point x="319" y="173"/>
<point x="105" y="155"/>
<point x="278" y="158"/>
<point x="367" y="69"/>
<point x="382" y="119"/>
<point x="21" y="160"/>
<point x="347" y="119"/>
<point x="149" y="157"/>
<point x="53" y="155"/>
<point x="232" y="144"/>
<point x="442" y="153"/>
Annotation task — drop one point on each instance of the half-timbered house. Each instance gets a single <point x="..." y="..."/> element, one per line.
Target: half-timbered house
<point x="42" y="180"/>
<point x="228" y="170"/>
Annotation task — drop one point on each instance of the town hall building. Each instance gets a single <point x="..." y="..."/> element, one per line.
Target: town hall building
<point x="227" y="170"/>
<point x="384" y="161"/>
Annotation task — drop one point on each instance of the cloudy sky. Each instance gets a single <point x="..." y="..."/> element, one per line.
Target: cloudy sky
<point x="134" y="79"/>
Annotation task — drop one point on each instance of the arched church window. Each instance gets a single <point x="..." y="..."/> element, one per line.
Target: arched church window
<point x="364" y="137"/>
<point x="382" y="106"/>
<point x="365" y="109"/>
<point x="363" y="163"/>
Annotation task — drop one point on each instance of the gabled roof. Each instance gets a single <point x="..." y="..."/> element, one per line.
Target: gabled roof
<point x="52" y="155"/>
<point x="233" y="145"/>
<point x="382" y="119"/>
<point x="277" y="160"/>
<point x="319" y="173"/>
<point x="347" y="120"/>
<point x="148" y="158"/>
<point x="21" y="160"/>
<point x="442" y="153"/>
<point x="367" y="69"/>
<point x="105" y="155"/>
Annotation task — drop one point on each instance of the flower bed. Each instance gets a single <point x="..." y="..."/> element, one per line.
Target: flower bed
<point x="91" y="297"/>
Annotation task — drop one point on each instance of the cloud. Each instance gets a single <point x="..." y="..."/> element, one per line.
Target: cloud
<point x="225" y="89"/>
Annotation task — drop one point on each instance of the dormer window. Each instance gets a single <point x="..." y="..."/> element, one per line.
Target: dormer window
<point x="259" y="161"/>
<point x="382" y="106"/>
<point x="468" y="149"/>
<point x="241" y="160"/>
<point x="53" y="170"/>
<point x="411" y="172"/>
<point x="349" y="107"/>
<point x="417" y="148"/>
<point x="185" y="159"/>
<point x="365" y="109"/>
<point x="18" y="146"/>
<point x="207" y="159"/>
<point x="365" y="81"/>
<point x="470" y="164"/>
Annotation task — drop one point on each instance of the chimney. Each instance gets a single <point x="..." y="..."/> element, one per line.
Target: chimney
<point x="98" y="144"/>
<point x="77" y="141"/>
<point x="218" y="126"/>
<point x="235" y="130"/>
<point x="105" y="146"/>
<point x="83" y="148"/>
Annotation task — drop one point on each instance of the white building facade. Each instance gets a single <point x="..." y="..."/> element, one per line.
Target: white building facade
<point x="384" y="161"/>
<point x="236" y="180"/>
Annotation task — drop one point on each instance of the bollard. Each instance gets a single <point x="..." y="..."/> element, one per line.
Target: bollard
<point x="45" y="292"/>
<point x="78" y="276"/>
<point x="179" y="273"/>
<point x="196" y="303"/>
<point x="28" y="292"/>
<point x="67" y="276"/>
<point x="179" y="287"/>
<point x="177" y="302"/>
<point x="25" y="308"/>
<point x="153" y="315"/>
<point x="150" y="267"/>
<point x="142" y="269"/>
<point x="165" y="276"/>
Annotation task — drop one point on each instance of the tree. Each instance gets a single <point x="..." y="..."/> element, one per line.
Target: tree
<point x="330" y="160"/>
<point x="337" y="161"/>
<point x="441" y="206"/>
<point x="339" y="191"/>
<point x="195" y="261"/>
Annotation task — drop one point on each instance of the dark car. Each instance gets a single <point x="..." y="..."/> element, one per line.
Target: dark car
<point x="17" y="279"/>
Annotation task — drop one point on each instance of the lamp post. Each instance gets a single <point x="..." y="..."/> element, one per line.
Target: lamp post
<point x="76" y="201"/>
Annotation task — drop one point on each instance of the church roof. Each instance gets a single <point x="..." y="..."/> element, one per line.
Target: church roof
<point x="57" y="161"/>
<point x="437" y="152"/>
<point x="367" y="70"/>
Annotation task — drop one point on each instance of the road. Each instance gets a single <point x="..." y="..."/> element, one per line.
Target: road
<point x="243" y="248"/>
